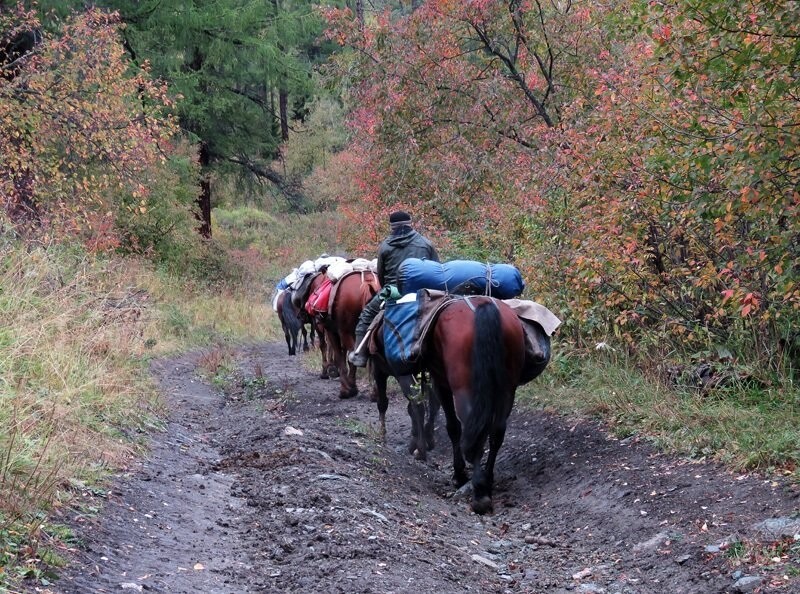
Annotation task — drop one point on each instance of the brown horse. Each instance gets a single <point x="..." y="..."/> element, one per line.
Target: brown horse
<point x="317" y="322"/>
<point x="353" y="292"/>
<point x="476" y="355"/>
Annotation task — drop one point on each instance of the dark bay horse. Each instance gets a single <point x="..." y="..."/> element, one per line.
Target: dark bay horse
<point x="475" y="355"/>
<point x="354" y="291"/>
<point x="291" y="322"/>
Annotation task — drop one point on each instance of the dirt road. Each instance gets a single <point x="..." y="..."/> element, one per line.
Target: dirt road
<point x="276" y="485"/>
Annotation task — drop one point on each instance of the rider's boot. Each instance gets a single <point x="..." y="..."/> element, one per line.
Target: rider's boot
<point x="358" y="357"/>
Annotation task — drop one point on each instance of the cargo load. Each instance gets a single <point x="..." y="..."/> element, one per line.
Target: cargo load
<point x="503" y="281"/>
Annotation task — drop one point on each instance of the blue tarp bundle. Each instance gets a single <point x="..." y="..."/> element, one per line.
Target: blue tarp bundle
<point x="399" y="324"/>
<point x="503" y="280"/>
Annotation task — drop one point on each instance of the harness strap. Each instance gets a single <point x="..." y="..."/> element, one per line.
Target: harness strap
<point x="468" y="299"/>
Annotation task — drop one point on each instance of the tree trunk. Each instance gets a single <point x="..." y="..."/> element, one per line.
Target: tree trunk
<point x="283" y="103"/>
<point x="360" y="12"/>
<point x="204" y="200"/>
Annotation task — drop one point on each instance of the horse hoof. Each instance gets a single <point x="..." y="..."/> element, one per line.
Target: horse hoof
<point x="347" y="395"/>
<point x="459" y="480"/>
<point x="324" y="375"/>
<point x="482" y="505"/>
<point x="431" y="445"/>
<point x="412" y="447"/>
<point x="420" y="455"/>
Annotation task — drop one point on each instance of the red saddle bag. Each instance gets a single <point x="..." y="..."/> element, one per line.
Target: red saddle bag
<point x="318" y="300"/>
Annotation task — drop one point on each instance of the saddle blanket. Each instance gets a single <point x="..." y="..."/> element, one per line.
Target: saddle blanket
<point x="503" y="281"/>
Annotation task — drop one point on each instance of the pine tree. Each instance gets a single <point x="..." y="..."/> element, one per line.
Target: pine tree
<point x="235" y="63"/>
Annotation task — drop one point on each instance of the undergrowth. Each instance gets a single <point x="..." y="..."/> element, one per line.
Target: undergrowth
<point x="744" y="425"/>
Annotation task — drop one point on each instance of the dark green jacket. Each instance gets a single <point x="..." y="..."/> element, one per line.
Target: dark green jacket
<point x="407" y="243"/>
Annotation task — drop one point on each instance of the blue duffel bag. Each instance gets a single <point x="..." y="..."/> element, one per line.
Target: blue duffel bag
<point x="503" y="281"/>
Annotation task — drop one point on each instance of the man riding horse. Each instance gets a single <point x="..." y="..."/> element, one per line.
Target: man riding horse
<point x="403" y="242"/>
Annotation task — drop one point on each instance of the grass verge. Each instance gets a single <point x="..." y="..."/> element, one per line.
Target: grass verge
<point x="77" y="332"/>
<point x="745" y="427"/>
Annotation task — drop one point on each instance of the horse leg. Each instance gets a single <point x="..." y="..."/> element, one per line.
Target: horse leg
<point x="350" y="379"/>
<point x="416" y="410"/>
<point x="382" y="399"/>
<point x="288" y="336"/>
<point x="324" y="373"/>
<point x="418" y="445"/>
<point x="347" y="373"/>
<point x="483" y="481"/>
<point x="323" y="350"/>
<point x="305" y="337"/>
<point x="295" y="341"/>
<point x="483" y="478"/>
<point x="454" y="432"/>
<point x="433" y="412"/>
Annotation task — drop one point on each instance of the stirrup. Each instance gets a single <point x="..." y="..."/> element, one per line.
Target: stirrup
<point x="357" y="359"/>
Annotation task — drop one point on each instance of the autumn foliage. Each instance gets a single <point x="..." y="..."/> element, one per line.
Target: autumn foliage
<point x="84" y="136"/>
<point x="638" y="161"/>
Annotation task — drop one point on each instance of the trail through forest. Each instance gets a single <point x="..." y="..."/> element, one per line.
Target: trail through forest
<point x="277" y="485"/>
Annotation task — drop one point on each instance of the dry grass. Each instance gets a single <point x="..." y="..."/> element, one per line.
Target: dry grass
<point x="76" y="399"/>
<point x="73" y="329"/>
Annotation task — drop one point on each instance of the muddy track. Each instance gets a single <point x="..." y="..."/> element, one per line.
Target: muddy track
<point x="279" y="486"/>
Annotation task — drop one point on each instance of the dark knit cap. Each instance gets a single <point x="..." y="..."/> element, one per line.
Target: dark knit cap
<point x="400" y="217"/>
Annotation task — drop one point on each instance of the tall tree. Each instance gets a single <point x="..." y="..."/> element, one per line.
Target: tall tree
<point x="228" y="60"/>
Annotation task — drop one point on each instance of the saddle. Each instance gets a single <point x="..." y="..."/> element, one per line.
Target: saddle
<point x="372" y="280"/>
<point x="405" y="324"/>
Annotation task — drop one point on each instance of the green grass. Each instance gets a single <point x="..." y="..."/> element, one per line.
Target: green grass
<point x="745" y="427"/>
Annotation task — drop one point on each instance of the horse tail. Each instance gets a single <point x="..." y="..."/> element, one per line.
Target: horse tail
<point x="488" y="368"/>
<point x="290" y="317"/>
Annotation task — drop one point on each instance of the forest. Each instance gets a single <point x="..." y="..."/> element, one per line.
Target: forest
<point x="164" y="163"/>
